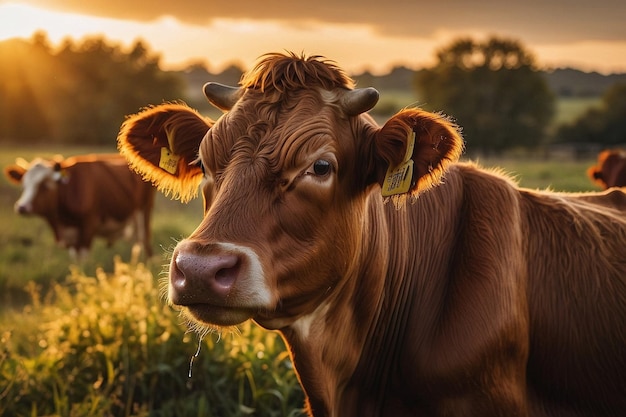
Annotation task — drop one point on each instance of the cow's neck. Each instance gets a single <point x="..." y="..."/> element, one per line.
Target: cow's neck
<point x="346" y="350"/>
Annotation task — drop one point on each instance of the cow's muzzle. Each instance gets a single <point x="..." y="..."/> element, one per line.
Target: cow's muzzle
<point x="219" y="284"/>
<point x="23" y="209"/>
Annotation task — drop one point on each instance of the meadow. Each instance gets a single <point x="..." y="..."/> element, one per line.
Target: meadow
<point x="99" y="340"/>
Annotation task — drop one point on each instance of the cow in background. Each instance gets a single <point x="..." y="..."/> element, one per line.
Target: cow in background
<point x="610" y="170"/>
<point x="404" y="282"/>
<point x="85" y="196"/>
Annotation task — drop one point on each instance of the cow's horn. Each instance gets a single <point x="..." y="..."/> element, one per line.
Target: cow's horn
<point x="222" y="96"/>
<point x="358" y="101"/>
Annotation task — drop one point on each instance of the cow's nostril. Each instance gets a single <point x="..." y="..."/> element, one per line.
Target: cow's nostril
<point x="226" y="276"/>
<point x="177" y="275"/>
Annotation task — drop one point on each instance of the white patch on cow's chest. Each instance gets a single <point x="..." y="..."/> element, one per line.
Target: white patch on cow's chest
<point x="302" y="326"/>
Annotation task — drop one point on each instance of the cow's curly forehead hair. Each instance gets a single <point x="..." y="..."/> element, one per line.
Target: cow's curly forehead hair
<point x="279" y="89"/>
<point x="277" y="73"/>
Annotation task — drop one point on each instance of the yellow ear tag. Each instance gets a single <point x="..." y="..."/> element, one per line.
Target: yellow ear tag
<point x="398" y="179"/>
<point x="168" y="161"/>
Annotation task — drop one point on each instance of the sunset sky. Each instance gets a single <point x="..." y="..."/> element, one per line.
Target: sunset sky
<point x="358" y="35"/>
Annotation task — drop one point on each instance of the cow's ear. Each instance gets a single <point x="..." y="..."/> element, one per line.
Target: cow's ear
<point x="161" y="143"/>
<point x="14" y="173"/>
<point x="595" y="175"/>
<point x="416" y="147"/>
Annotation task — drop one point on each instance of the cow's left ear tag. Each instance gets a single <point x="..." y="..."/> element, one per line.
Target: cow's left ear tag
<point x="398" y="179"/>
<point x="168" y="161"/>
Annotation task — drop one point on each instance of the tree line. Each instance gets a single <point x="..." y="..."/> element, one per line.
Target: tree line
<point x="80" y="92"/>
<point x="497" y="94"/>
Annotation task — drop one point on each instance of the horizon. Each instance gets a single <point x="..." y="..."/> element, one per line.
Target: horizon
<point x="244" y="67"/>
<point x="360" y="38"/>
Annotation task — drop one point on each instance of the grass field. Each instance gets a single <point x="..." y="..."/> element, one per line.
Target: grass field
<point x="554" y="174"/>
<point x="99" y="341"/>
<point x="568" y="109"/>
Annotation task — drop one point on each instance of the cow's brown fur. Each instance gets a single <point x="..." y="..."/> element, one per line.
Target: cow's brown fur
<point x="96" y="195"/>
<point x="610" y="171"/>
<point x="475" y="298"/>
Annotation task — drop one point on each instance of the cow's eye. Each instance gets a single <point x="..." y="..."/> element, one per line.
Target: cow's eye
<point x="321" y="167"/>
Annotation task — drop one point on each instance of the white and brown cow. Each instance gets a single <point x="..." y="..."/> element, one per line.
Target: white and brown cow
<point x="473" y="297"/>
<point x="85" y="196"/>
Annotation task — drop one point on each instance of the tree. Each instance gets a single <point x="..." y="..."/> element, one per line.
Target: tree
<point x="78" y="93"/>
<point x="605" y="125"/>
<point x="106" y="83"/>
<point x="492" y="90"/>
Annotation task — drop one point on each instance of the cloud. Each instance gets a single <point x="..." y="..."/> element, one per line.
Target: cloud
<point x="536" y="21"/>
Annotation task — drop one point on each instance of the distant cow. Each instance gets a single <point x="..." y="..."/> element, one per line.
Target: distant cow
<point x="85" y="196"/>
<point x="463" y="295"/>
<point x="610" y="170"/>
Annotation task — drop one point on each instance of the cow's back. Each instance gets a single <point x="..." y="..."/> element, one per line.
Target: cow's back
<point x="104" y="185"/>
<point x="576" y="248"/>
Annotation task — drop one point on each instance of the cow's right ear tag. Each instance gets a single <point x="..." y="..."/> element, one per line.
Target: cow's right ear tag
<point x="168" y="161"/>
<point x="399" y="179"/>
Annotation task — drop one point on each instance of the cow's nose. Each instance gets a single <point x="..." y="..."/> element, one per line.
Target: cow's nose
<point x="202" y="278"/>
<point x="22" y="209"/>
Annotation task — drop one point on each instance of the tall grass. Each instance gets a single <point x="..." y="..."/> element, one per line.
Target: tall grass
<point x="107" y="345"/>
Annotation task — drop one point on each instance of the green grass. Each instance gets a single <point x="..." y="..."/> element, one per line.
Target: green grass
<point x="570" y="108"/>
<point x="107" y="345"/>
<point x="554" y="174"/>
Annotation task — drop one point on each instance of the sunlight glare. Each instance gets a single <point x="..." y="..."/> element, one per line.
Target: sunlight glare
<point x="222" y="42"/>
<point x="22" y="21"/>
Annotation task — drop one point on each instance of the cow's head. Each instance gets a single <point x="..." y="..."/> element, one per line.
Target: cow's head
<point x="288" y="170"/>
<point x="610" y="170"/>
<point x="39" y="180"/>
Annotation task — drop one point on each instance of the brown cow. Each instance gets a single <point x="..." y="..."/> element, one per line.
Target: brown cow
<point x="85" y="196"/>
<point x="610" y="170"/>
<point x="472" y="298"/>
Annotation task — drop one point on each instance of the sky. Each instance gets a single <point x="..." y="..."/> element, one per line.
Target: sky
<point x="358" y="35"/>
